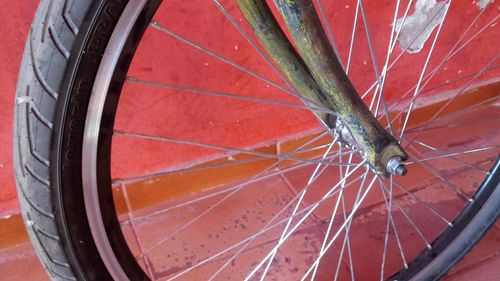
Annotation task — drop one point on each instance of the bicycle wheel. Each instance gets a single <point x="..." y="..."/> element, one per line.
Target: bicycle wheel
<point x="160" y="142"/>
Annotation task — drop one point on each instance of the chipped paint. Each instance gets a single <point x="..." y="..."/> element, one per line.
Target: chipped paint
<point x="482" y="4"/>
<point x="418" y="27"/>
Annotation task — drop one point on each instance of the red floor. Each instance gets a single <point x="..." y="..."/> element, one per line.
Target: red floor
<point x="20" y="263"/>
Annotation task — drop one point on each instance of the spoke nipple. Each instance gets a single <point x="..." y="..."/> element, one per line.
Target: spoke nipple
<point x="396" y="166"/>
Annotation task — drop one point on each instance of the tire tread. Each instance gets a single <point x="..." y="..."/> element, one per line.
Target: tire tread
<point x="46" y="56"/>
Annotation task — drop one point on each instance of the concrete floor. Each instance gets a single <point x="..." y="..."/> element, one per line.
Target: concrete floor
<point x="20" y="263"/>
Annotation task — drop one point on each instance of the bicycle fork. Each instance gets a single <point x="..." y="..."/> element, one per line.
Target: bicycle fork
<point x="316" y="73"/>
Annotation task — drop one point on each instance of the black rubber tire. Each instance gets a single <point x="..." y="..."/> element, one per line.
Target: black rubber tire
<point x="50" y="195"/>
<point x="52" y="37"/>
<point x="60" y="236"/>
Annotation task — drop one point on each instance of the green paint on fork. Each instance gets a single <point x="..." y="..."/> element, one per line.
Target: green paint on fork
<point x="316" y="73"/>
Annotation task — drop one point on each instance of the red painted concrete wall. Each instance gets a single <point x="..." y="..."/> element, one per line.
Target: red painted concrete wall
<point x="183" y="115"/>
<point x="16" y="17"/>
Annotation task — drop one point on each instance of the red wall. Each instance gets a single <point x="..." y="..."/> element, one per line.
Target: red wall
<point x="17" y="15"/>
<point x="183" y="115"/>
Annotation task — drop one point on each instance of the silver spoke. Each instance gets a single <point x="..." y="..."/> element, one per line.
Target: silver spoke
<point x="330" y="224"/>
<point x="353" y="37"/>
<point x="447" y="57"/>
<point x="265" y="229"/>
<point x="417" y="88"/>
<point x="372" y="54"/>
<point x="425" y="204"/>
<point x="333" y="189"/>
<point x="426" y="126"/>
<point x="456" y="48"/>
<point x="247" y="37"/>
<point x="197" y="168"/>
<point x="375" y="83"/>
<point x="369" y="38"/>
<point x="449" y="101"/>
<point x="390" y="218"/>
<point x="355" y="208"/>
<point x="453" y="154"/>
<point x="347" y="241"/>
<point x="258" y="178"/>
<point x="439" y="175"/>
<point x="310" y="181"/>
<point x="307" y="102"/>
<point x="334" y="211"/>
<point x="410" y="221"/>
<point x="218" y="203"/>
<point x="265" y="226"/>
<point x="227" y="95"/>
<point x="451" y="53"/>
<point x="486" y="26"/>
<point x="223" y="148"/>
<point x="198" y="217"/>
<point x="329" y="32"/>
<point x="387" y="229"/>
<point x="384" y="71"/>
<point x="340" y="198"/>
<point x="403" y="20"/>
<point x="167" y="31"/>
<point x="254" y="180"/>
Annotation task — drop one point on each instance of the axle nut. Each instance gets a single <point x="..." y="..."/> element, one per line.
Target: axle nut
<point x="396" y="166"/>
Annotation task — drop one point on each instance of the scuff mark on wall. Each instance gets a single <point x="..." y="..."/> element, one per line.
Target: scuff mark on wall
<point x="481" y="4"/>
<point x="418" y="27"/>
